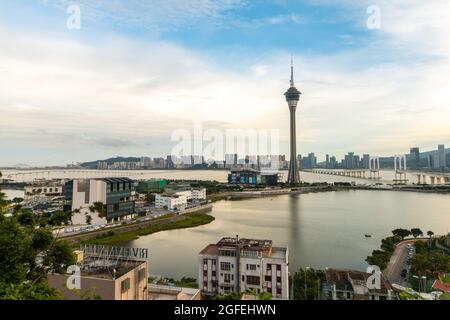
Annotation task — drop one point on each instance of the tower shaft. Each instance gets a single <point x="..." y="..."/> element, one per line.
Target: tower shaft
<point x="293" y="176"/>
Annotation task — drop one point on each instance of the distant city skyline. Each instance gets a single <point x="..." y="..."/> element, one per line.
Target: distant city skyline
<point x="134" y="72"/>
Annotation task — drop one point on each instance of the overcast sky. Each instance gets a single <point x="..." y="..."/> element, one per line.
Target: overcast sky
<point x="138" y="70"/>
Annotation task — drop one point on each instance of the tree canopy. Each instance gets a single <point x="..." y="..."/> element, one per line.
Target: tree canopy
<point x="21" y="243"/>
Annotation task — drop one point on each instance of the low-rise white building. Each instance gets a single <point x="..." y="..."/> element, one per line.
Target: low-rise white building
<point x="235" y="265"/>
<point x="45" y="190"/>
<point x="180" y="200"/>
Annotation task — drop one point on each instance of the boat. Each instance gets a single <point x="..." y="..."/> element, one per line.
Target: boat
<point x="368" y="235"/>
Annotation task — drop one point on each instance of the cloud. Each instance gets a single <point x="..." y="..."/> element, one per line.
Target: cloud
<point x="82" y="99"/>
<point x="160" y="15"/>
<point x="114" y="143"/>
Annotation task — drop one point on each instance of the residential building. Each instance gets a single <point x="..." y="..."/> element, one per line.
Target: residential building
<point x="159" y="163"/>
<point x="441" y="156"/>
<point x="414" y="158"/>
<point x="110" y="273"/>
<point x="352" y="285"/>
<point x="115" y="193"/>
<point x="365" y="161"/>
<point x="235" y="265"/>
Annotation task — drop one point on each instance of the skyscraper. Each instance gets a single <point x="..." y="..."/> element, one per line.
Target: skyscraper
<point x="414" y="158"/>
<point x="292" y="97"/>
<point x="441" y="156"/>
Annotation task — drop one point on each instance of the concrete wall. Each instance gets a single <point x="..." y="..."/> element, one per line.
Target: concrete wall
<point x="103" y="287"/>
<point x="82" y="200"/>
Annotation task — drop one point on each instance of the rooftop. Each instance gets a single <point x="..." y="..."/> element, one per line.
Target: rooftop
<point x="246" y="244"/>
<point x="107" y="270"/>
<point x="342" y="279"/>
<point x="160" y="292"/>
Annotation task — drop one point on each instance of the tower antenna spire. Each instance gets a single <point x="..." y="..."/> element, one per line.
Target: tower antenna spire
<point x="292" y="70"/>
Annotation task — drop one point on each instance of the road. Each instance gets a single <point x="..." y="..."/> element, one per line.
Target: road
<point x="397" y="263"/>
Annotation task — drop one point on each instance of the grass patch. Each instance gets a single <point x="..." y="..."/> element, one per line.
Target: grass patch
<point x="190" y="220"/>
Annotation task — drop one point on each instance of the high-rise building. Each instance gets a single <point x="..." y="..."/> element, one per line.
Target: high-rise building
<point x="414" y="158"/>
<point x="431" y="160"/>
<point x="365" y="161"/>
<point x="231" y="160"/>
<point x="170" y="162"/>
<point x="236" y="265"/>
<point x="312" y="160"/>
<point x="292" y="97"/>
<point x="441" y="156"/>
<point x="350" y="161"/>
<point x="333" y="162"/>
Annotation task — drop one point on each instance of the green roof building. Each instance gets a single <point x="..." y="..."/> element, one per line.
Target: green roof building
<point x="153" y="185"/>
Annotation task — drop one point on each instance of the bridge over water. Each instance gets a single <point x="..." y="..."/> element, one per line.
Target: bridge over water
<point x="422" y="177"/>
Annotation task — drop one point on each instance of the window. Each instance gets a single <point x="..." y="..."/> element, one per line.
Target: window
<point x="225" y="266"/>
<point x="278" y="267"/>
<point x="214" y="262"/>
<point x="253" y="280"/>
<point x="125" y="285"/>
<point x="268" y="278"/>
<point x="213" y="273"/>
<point x="227" y="278"/>
<point x="251" y="267"/>
<point x="142" y="274"/>
<point x="227" y="253"/>
<point x="278" y="290"/>
<point x="205" y="261"/>
<point x="205" y="273"/>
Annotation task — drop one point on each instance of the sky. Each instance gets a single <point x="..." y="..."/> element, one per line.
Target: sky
<point x="374" y="75"/>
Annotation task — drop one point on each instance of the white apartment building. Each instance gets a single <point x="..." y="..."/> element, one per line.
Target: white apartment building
<point x="180" y="200"/>
<point x="235" y="265"/>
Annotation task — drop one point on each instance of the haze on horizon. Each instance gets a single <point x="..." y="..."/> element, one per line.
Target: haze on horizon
<point x="138" y="70"/>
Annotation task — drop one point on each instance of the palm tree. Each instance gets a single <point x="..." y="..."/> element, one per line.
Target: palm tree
<point x="430" y="233"/>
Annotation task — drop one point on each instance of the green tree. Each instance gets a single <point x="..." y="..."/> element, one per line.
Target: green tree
<point x="59" y="218"/>
<point x="416" y="232"/>
<point x="88" y="219"/>
<point x="402" y="233"/>
<point x="26" y="217"/>
<point x="15" y="255"/>
<point x="430" y="234"/>
<point x="99" y="208"/>
<point x="59" y="257"/>
<point x="27" y="291"/>
<point x="21" y="277"/>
